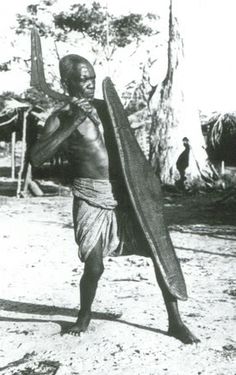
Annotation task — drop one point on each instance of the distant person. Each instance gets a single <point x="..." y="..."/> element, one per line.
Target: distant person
<point x="183" y="162"/>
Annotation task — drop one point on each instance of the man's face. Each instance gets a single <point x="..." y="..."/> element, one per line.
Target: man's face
<point x="83" y="84"/>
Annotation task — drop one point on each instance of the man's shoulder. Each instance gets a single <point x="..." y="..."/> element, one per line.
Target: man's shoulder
<point x="57" y="112"/>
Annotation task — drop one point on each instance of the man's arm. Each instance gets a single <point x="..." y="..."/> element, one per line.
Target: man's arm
<point x="59" y="126"/>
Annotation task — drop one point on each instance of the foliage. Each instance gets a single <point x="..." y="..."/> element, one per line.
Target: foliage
<point x="137" y="94"/>
<point x="4" y="67"/>
<point x="95" y="22"/>
<point x="106" y="32"/>
<point x="129" y="28"/>
<point x="82" y="19"/>
<point x="39" y="15"/>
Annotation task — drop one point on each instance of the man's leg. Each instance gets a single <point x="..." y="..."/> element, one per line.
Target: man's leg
<point x="93" y="270"/>
<point x="176" y="326"/>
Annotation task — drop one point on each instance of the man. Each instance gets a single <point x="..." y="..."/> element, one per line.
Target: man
<point x="83" y="129"/>
<point x="183" y="162"/>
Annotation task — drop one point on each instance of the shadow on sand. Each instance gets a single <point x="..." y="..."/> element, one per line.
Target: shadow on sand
<point x="45" y="310"/>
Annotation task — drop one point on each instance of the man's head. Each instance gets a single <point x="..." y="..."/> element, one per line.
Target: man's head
<point x="78" y="76"/>
<point x="185" y="141"/>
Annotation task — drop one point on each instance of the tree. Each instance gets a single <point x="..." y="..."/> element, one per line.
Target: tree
<point x="97" y="32"/>
<point x="108" y="31"/>
<point x="39" y="15"/>
<point x="93" y="21"/>
<point x="175" y="120"/>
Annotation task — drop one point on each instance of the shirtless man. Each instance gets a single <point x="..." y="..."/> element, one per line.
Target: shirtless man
<point x="81" y="128"/>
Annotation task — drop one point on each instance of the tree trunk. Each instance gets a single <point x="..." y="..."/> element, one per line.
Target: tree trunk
<point x="23" y="152"/>
<point x="174" y="118"/>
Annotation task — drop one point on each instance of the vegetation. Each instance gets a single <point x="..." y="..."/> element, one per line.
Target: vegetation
<point x="108" y="31"/>
<point x="166" y="104"/>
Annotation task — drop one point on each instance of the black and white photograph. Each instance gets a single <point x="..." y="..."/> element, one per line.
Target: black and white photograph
<point x="118" y="187"/>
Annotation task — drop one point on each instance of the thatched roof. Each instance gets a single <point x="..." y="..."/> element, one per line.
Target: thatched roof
<point x="10" y="109"/>
<point x="213" y="117"/>
<point x="218" y="123"/>
<point x="8" y="105"/>
<point x="220" y="133"/>
<point x="11" y="118"/>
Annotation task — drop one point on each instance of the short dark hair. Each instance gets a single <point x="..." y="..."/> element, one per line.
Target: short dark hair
<point x="67" y="66"/>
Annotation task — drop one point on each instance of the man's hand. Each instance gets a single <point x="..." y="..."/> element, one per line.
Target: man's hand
<point x="86" y="110"/>
<point x="82" y="104"/>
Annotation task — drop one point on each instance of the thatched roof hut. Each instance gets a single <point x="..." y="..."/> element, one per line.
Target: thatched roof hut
<point x="20" y="121"/>
<point x="11" y="118"/>
<point x="220" y="134"/>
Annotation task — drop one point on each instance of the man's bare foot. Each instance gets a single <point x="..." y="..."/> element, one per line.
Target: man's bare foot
<point x="80" y="326"/>
<point x="182" y="333"/>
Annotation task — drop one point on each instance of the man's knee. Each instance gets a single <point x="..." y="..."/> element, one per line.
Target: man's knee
<point x="94" y="267"/>
<point x="96" y="270"/>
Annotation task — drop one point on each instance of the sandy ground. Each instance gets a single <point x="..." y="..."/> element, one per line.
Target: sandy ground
<point x="39" y="296"/>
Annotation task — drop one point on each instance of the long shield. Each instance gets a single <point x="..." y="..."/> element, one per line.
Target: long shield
<point x="145" y="194"/>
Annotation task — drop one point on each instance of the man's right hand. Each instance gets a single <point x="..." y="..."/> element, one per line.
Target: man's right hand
<point x="82" y="104"/>
<point x="78" y="109"/>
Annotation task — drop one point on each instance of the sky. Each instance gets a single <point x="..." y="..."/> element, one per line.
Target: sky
<point x="212" y="50"/>
<point x="209" y="32"/>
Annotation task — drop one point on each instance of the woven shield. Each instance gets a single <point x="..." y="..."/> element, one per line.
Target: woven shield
<point x="145" y="194"/>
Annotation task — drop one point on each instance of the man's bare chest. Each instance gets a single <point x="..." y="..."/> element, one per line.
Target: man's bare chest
<point x="86" y="141"/>
<point x="88" y="131"/>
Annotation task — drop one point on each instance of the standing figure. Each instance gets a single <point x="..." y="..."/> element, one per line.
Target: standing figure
<point x="104" y="220"/>
<point x="183" y="162"/>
